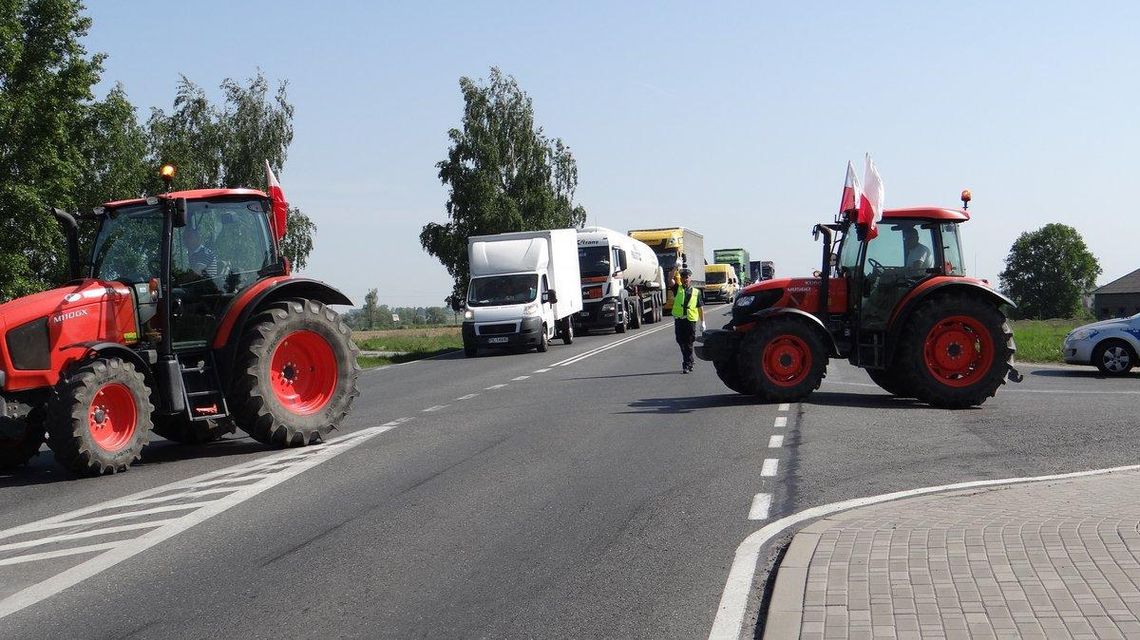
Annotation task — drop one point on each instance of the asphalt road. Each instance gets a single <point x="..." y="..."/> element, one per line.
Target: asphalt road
<point x="591" y="492"/>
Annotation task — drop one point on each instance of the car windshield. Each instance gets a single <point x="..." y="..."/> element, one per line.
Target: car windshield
<point x="594" y="261"/>
<point x="667" y="260"/>
<point x="497" y="290"/>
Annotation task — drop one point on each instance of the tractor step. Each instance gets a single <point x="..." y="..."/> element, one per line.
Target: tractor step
<point x="202" y="387"/>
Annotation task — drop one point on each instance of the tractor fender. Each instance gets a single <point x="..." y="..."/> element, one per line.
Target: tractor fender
<point x="815" y="323"/>
<point x="262" y="294"/>
<point x="923" y="292"/>
<point x="116" y="350"/>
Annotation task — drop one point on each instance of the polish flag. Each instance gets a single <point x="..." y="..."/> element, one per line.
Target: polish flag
<point x="871" y="201"/>
<point x="851" y="191"/>
<point x="277" y="197"/>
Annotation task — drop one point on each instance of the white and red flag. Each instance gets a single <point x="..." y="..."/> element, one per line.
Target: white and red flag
<point x="871" y="202"/>
<point x="851" y="191"/>
<point x="277" y="197"/>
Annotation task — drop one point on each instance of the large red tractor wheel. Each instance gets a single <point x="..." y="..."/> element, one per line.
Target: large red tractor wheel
<point x="782" y="360"/>
<point x="729" y="373"/>
<point x="21" y="440"/>
<point x="179" y="428"/>
<point x="891" y="382"/>
<point x="296" y="374"/>
<point x="955" y="351"/>
<point x="98" y="420"/>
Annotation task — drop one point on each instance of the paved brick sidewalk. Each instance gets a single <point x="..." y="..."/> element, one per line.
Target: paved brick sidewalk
<point x="1049" y="559"/>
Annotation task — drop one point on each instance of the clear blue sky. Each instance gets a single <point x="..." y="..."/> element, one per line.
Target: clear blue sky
<point x="735" y="119"/>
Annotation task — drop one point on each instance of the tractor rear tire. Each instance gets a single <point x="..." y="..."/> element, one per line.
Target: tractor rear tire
<point x="27" y="434"/>
<point x="729" y="373"/>
<point x="891" y="382"/>
<point x="98" y="420"/>
<point x="179" y="428"/>
<point x="296" y="373"/>
<point x="782" y="360"/>
<point x="955" y="351"/>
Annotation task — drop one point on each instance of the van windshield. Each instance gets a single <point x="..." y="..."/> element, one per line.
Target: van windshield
<point x="497" y="290"/>
<point x="714" y="277"/>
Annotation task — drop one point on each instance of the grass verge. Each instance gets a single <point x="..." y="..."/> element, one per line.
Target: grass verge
<point x="1040" y="340"/>
<point x="410" y="344"/>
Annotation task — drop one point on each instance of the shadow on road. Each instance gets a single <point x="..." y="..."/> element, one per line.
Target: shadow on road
<point x="1092" y="374"/>
<point x="689" y="404"/>
<point x="863" y="400"/>
<point x="42" y="468"/>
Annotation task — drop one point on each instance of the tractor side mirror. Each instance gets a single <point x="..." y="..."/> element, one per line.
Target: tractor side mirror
<point x="177" y="210"/>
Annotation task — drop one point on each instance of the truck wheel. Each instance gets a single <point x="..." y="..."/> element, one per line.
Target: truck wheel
<point x="783" y="360"/>
<point x="1113" y="358"/>
<point x="544" y="342"/>
<point x="22" y="440"/>
<point x="567" y="331"/>
<point x="635" y="312"/>
<point x="179" y="428"/>
<point x="955" y="351"/>
<point x="729" y="373"/>
<point x="890" y="381"/>
<point x="99" y="418"/>
<point x="621" y="326"/>
<point x="296" y="374"/>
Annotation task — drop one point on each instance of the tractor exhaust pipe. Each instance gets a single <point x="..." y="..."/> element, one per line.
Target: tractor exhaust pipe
<point x="71" y="231"/>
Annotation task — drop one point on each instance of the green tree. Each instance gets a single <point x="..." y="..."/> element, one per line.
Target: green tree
<point x="437" y="315"/>
<point x="228" y="145"/>
<point x="1047" y="271"/>
<point x="503" y="174"/>
<point x="370" y="307"/>
<point x="46" y="77"/>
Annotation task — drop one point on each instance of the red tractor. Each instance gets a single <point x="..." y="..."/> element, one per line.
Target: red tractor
<point x="183" y="320"/>
<point x="897" y="304"/>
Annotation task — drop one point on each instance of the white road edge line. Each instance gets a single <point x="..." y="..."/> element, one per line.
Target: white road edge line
<point x="594" y="352"/>
<point x="734" y="598"/>
<point x="760" y="506"/>
<point x="129" y="548"/>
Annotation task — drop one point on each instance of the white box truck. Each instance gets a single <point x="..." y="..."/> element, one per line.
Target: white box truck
<point x="622" y="284"/>
<point x="524" y="289"/>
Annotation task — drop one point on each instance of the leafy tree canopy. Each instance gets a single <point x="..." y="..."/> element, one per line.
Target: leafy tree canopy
<point x="1047" y="271"/>
<point x="503" y="174"/>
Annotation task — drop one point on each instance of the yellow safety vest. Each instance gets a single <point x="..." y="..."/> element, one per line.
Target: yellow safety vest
<point x="681" y="309"/>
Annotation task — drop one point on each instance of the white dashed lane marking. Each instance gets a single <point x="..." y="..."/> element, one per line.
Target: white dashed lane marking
<point x="519" y="378"/>
<point x="785" y="406"/>
<point x="542" y="370"/>
<point x="495" y="386"/>
<point x="781" y="422"/>
<point x="775" y="442"/>
<point x="435" y="408"/>
<point x="769" y="468"/>
<point x="760" y="506"/>
<point x="466" y="397"/>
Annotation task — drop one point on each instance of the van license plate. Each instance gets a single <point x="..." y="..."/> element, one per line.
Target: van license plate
<point x="497" y="340"/>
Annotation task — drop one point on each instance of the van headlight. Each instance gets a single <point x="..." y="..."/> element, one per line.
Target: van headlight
<point x="468" y="314"/>
<point x="530" y="310"/>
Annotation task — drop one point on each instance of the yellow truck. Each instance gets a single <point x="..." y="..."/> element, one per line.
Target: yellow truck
<point x="721" y="283"/>
<point x="676" y="247"/>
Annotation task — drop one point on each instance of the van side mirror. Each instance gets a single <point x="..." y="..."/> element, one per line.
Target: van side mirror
<point x="550" y="296"/>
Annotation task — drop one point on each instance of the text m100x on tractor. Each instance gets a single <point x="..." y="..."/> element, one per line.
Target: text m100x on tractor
<point x="184" y="318"/>
<point x="897" y="304"/>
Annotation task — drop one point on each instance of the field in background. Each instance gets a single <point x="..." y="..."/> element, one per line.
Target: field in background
<point x="409" y="344"/>
<point x="1040" y="340"/>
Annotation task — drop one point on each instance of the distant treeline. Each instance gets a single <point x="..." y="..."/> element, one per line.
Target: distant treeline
<point x="381" y="317"/>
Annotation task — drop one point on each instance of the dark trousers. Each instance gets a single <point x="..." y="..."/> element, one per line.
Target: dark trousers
<point x="686" y="332"/>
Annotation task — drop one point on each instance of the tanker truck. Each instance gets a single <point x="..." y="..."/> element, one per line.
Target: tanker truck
<point x="622" y="283"/>
<point x="676" y="248"/>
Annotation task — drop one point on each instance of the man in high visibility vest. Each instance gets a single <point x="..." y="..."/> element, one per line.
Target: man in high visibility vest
<point x="687" y="312"/>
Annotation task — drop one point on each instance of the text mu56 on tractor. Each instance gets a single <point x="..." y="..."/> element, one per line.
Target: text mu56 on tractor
<point x="155" y="332"/>
<point x="908" y="315"/>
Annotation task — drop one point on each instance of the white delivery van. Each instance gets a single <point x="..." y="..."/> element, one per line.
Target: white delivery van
<point x="524" y="289"/>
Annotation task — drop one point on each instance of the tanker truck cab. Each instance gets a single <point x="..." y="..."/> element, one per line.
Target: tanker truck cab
<point x="622" y="284"/>
<point x="524" y="288"/>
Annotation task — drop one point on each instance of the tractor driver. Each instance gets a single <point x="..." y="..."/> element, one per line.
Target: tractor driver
<point x="917" y="255"/>
<point x="202" y="259"/>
